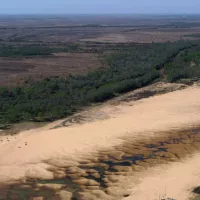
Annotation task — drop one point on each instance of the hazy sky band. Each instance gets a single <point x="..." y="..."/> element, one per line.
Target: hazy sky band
<point x="99" y="6"/>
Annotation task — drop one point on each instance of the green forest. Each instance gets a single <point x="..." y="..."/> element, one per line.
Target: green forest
<point x="129" y="68"/>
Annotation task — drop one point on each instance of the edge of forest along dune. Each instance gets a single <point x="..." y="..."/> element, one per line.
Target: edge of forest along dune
<point x="24" y="155"/>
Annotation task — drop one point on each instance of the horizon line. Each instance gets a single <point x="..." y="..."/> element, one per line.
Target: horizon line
<point x="100" y="13"/>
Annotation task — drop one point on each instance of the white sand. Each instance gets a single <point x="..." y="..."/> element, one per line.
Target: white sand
<point x="173" y="110"/>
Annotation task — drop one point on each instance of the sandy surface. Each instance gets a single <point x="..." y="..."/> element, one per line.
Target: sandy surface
<point x="174" y="180"/>
<point x="25" y="154"/>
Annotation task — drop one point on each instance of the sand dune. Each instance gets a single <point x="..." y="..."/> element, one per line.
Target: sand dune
<point x="28" y="153"/>
<point x="175" y="180"/>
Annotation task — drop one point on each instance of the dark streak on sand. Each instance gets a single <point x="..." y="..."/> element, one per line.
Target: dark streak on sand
<point x="125" y="158"/>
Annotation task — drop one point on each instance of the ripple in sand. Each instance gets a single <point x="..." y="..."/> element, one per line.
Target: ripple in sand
<point x="103" y="177"/>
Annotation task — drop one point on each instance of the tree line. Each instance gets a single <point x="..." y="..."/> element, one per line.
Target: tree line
<point x="129" y="68"/>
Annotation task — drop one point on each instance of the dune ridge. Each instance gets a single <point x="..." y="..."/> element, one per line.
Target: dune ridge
<point x="33" y="153"/>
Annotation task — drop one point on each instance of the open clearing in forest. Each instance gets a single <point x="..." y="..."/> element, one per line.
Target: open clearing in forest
<point x="16" y="71"/>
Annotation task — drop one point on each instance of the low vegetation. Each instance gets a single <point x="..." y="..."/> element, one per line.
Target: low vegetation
<point x="34" y="50"/>
<point x="31" y="50"/>
<point x="129" y="68"/>
<point x="196" y="35"/>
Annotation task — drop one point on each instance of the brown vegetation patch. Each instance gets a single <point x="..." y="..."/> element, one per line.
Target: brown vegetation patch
<point x="15" y="71"/>
<point x="143" y="36"/>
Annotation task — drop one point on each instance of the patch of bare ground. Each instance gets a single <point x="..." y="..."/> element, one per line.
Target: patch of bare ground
<point x="17" y="71"/>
